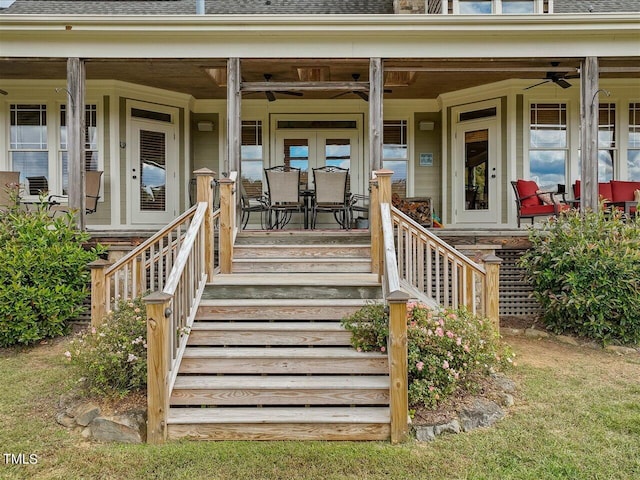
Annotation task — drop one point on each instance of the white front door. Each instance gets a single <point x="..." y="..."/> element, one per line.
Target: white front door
<point x="477" y="180"/>
<point x="153" y="185"/>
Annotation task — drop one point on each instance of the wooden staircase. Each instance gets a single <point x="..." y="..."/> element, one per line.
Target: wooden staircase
<point x="267" y="358"/>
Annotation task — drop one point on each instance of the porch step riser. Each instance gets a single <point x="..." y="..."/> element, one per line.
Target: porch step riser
<point x="284" y="265"/>
<point x="256" y="337"/>
<point x="285" y="366"/>
<point x="303" y="238"/>
<point x="248" y="396"/>
<point x="215" y="292"/>
<point x="263" y="312"/>
<point x="291" y="431"/>
<point x="301" y="251"/>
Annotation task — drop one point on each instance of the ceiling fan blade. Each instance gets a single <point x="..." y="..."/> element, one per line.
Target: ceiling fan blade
<point x="341" y="94"/>
<point x="362" y="95"/>
<point x="562" y="82"/>
<point x="270" y="96"/>
<point x="294" y="94"/>
<point x="537" y="84"/>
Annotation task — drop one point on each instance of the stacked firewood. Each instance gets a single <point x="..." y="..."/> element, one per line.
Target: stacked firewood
<point x="418" y="209"/>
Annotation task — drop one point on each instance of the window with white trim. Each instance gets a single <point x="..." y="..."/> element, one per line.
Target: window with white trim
<point x="606" y="142"/>
<point x="548" y="143"/>
<point x="490" y="7"/>
<point x="90" y="138"/>
<point x="28" y="149"/>
<point x="633" y="145"/>
<point x="251" y="154"/>
<point x="395" y="154"/>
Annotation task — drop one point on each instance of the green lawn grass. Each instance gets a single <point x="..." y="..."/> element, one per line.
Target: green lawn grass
<point x="577" y="416"/>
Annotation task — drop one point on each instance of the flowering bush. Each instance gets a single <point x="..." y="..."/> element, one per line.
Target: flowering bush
<point x="113" y="356"/>
<point x="446" y="348"/>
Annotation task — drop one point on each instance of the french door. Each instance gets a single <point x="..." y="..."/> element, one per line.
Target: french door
<point x="477" y="180"/>
<point x="307" y="150"/>
<point x="153" y="187"/>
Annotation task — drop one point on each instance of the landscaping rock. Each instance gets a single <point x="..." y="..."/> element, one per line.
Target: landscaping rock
<point x="425" y="433"/>
<point x="503" y="383"/>
<point x="85" y="413"/>
<point x="513" y="332"/>
<point x="533" y="333"/>
<point x="65" y="420"/>
<point x="451" y="427"/>
<point x="481" y="413"/>
<point x="68" y="400"/>
<point x="86" y="433"/>
<point x="128" y="428"/>
<point x="620" y="350"/>
<point x="506" y="400"/>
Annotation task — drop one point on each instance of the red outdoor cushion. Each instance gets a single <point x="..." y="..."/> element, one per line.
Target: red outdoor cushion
<point x="538" y="210"/>
<point x="604" y="190"/>
<point x="623" y="191"/>
<point x="526" y="188"/>
<point x="576" y="190"/>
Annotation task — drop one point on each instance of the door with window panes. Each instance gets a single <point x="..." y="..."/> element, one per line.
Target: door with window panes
<point x="309" y="149"/>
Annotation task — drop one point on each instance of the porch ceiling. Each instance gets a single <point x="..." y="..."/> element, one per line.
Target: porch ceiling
<point x="424" y="79"/>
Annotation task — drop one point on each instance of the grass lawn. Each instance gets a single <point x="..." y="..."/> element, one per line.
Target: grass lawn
<point x="577" y="416"/>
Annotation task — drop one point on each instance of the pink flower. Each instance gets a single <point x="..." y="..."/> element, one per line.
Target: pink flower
<point x="431" y="388"/>
<point x="450" y="334"/>
<point x="452" y="316"/>
<point x="439" y="332"/>
<point x="420" y="366"/>
<point x="459" y="341"/>
<point x="445" y="364"/>
<point x="93" y="330"/>
<point x="466" y="348"/>
<point x="358" y="349"/>
<point x="383" y="349"/>
<point x="429" y="332"/>
<point x="67" y="354"/>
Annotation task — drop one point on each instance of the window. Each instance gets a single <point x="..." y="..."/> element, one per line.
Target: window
<point x="606" y="141"/>
<point x="395" y="154"/>
<point x="506" y="7"/>
<point x="548" y="143"/>
<point x="90" y="138"/>
<point x="633" y="152"/>
<point x="28" y="149"/>
<point x="251" y="157"/>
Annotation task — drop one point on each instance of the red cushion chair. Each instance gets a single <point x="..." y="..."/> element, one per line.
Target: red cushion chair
<point x="604" y="191"/>
<point x="622" y="191"/>
<point x="529" y="201"/>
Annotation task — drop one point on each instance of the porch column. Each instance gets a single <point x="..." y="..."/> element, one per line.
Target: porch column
<point x="376" y="89"/>
<point x="76" y="138"/>
<point x="589" y="133"/>
<point x="233" y="115"/>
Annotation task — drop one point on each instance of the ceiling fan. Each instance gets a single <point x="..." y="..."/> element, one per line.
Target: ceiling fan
<point x="363" y="95"/>
<point x="559" y="78"/>
<point x="271" y="96"/>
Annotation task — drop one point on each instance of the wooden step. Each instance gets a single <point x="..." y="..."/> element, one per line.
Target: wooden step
<point x="265" y="309"/>
<point x="282" y="361"/>
<point x="268" y="333"/>
<point x="303" y="237"/>
<point x="315" y="423"/>
<point x="292" y="291"/>
<point x="316" y="265"/>
<point x="281" y="390"/>
<point x="324" y="279"/>
<point x="302" y="251"/>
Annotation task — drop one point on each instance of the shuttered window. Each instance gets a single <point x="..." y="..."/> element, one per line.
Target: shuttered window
<point x="153" y="148"/>
<point x="395" y="154"/>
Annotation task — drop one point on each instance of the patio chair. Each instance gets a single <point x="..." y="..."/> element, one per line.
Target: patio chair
<point x="283" y="195"/>
<point x="331" y="195"/>
<point x="91" y="195"/>
<point x="532" y="202"/>
<point x="253" y="204"/>
<point x="9" y="189"/>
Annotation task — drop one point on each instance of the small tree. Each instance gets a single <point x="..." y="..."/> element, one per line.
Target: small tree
<point x="585" y="271"/>
<point x="43" y="274"/>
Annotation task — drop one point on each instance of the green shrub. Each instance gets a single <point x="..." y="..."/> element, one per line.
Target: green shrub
<point x="113" y="357"/>
<point x="585" y="271"/>
<point x="43" y="274"/>
<point x="446" y="348"/>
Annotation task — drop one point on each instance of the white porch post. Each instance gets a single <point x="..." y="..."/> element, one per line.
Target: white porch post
<point x="75" y="138"/>
<point x="233" y="115"/>
<point x="376" y="89"/>
<point x="589" y="133"/>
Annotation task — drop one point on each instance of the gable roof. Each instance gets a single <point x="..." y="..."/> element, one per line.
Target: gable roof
<point x="188" y="7"/>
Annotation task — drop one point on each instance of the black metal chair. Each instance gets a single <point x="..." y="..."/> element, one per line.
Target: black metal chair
<point x="332" y="195"/>
<point x="283" y="193"/>
<point x="253" y="205"/>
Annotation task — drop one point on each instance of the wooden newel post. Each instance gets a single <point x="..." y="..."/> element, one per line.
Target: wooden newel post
<point x="398" y="373"/>
<point x="375" y="228"/>
<point x="158" y="309"/>
<point x="98" y="291"/>
<point x="384" y="196"/>
<point x="492" y="289"/>
<point x="204" y="193"/>
<point x="227" y="221"/>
